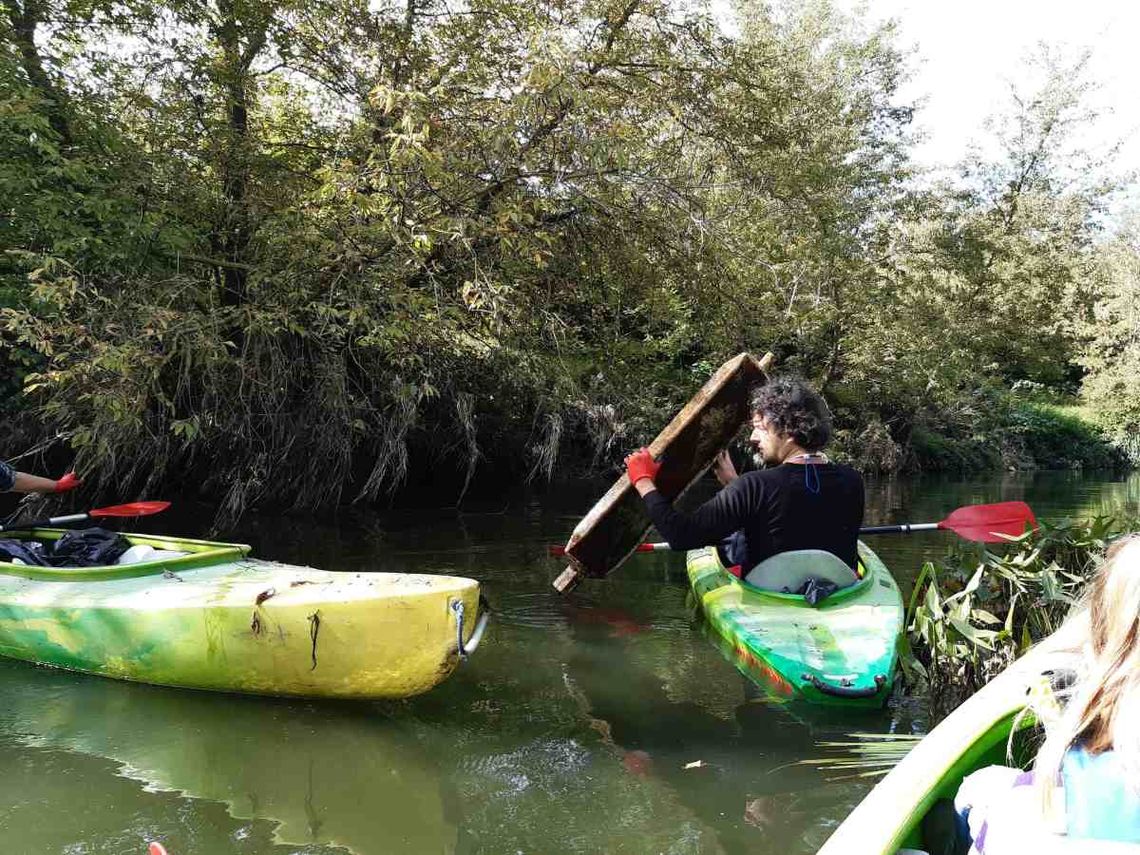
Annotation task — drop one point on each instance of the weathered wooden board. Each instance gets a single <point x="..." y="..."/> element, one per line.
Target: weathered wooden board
<point x="613" y="528"/>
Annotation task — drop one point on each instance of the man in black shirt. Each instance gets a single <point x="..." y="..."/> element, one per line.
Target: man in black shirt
<point x="800" y="501"/>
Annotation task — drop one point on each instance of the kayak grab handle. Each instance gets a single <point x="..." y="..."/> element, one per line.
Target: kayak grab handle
<point x="476" y="634"/>
<point x="846" y="691"/>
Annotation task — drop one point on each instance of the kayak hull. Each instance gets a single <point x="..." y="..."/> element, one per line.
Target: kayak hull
<point x="214" y="619"/>
<point x="842" y="653"/>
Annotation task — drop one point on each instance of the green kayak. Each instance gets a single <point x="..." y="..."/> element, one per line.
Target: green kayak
<point x="988" y="729"/>
<point x="841" y="652"/>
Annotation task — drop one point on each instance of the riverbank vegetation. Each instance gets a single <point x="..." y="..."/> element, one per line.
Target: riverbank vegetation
<point x="308" y="253"/>
<point x="977" y="609"/>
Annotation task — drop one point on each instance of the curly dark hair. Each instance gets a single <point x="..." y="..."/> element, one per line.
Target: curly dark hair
<point x="794" y="409"/>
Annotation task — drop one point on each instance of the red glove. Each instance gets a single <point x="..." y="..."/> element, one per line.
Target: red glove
<point x="67" y="482"/>
<point x="640" y="465"/>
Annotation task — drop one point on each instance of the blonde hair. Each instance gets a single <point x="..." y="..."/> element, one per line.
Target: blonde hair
<point x="1103" y="709"/>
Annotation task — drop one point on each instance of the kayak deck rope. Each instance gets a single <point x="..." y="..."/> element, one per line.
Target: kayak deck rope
<point x="484" y="613"/>
<point x="457" y="607"/>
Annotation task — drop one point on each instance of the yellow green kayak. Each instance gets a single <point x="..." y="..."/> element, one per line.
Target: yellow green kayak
<point x="841" y="652"/>
<point x="975" y="735"/>
<point x="203" y="615"/>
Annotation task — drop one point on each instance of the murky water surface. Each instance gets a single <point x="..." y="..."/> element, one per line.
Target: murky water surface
<point x="577" y="727"/>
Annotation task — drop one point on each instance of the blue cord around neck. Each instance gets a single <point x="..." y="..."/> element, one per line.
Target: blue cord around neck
<point x="811" y="476"/>
<point x="811" y="479"/>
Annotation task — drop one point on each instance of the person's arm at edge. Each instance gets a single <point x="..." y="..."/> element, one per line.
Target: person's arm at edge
<point x="717" y="518"/>
<point x="22" y="482"/>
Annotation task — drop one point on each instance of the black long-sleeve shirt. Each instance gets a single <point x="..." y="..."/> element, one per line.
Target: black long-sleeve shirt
<point x="776" y="509"/>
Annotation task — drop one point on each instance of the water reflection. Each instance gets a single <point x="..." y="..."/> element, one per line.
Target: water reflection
<point x="705" y="732"/>
<point x="328" y="774"/>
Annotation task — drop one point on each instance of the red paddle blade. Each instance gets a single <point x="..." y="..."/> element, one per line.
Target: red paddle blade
<point x="990" y="523"/>
<point x="132" y="509"/>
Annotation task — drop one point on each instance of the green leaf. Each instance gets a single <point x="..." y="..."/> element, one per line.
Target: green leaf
<point x="979" y="637"/>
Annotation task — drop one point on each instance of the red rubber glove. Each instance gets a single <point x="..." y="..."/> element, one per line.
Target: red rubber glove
<point x="67" y="482"/>
<point x="640" y="465"/>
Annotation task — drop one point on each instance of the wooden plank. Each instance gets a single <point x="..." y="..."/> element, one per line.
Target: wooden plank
<point x="613" y="528"/>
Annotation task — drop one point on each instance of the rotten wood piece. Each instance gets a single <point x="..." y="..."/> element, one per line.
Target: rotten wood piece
<point x="613" y="528"/>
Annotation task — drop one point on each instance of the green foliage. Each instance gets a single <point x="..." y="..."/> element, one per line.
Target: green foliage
<point x="1112" y="353"/>
<point x="1058" y="437"/>
<point x="515" y="238"/>
<point x="991" y="428"/>
<point x="862" y="755"/>
<point x="16" y="361"/>
<point x="970" y="615"/>
<point x="937" y="451"/>
<point x="304" y="253"/>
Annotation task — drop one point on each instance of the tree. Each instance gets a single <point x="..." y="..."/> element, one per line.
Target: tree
<point x="991" y="277"/>
<point x="1112" y="353"/>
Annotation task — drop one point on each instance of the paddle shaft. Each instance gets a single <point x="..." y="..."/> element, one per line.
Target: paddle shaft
<point x="905" y="528"/>
<point x="995" y="523"/>
<point x="48" y="521"/>
<point x="870" y="529"/>
<point x="898" y="529"/>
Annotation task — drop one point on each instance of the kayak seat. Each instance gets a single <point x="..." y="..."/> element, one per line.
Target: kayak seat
<point x="790" y="571"/>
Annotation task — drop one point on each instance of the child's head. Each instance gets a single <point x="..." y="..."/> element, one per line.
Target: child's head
<point x="1103" y="711"/>
<point x="1113" y="700"/>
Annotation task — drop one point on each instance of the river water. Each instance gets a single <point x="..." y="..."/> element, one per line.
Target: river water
<point x="604" y="721"/>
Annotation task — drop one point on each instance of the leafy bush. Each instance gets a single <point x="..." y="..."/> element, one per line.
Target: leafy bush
<point x="1005" y="431"/>
<point x="300" y="259"/>
<point x="961" y="454"/>
<point x="970" y="615"/>
<point x="1056" y="437"/>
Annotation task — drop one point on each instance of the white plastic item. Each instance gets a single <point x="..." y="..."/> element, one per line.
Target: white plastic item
<point x="138" y="552"/>
<point x="141" y="552"/>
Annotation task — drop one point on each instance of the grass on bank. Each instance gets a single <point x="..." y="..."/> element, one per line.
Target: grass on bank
<point x="1026" y="435"/>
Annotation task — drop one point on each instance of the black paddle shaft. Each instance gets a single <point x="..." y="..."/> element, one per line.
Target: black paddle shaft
<point x="52" y="521"/>
<point x="898" y="529"/>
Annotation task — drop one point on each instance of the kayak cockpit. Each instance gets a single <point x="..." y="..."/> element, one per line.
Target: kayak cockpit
<point x="1014" y="739"/>
<point x="169" y="555"/>
<point x="790" y="572"/>
<point x="812" y="573"/>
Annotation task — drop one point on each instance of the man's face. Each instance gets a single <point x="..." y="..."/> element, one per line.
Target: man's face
<point x="768" y="443"/>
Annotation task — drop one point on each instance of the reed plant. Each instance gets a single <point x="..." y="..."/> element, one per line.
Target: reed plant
<point x="980" y="607"/>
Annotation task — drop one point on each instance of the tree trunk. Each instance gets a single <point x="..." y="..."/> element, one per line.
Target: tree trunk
<point x="235" y="229"/>
<point x="24" y="23"/>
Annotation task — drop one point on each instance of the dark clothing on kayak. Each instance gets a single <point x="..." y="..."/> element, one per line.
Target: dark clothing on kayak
<point x="788" y="507"/>
<point x="86" y="547"/>
<point x="7" y="477"/>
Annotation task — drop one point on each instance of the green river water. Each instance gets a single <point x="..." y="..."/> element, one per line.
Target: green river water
<point x="569" y="730"/>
